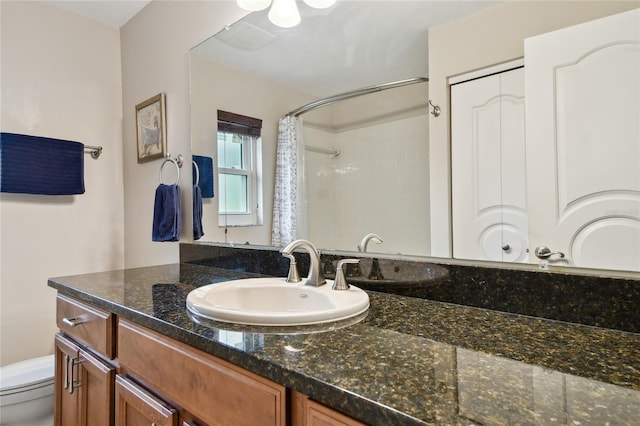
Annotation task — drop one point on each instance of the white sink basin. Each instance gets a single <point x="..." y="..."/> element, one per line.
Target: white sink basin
<point x="273" y="301"/>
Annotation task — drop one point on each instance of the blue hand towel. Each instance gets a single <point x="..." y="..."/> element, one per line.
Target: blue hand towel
<point x="205" y="166"/>
<point x="197" y="213"/>
<point x="167" y="220"/>
<point x="37" y="165"/>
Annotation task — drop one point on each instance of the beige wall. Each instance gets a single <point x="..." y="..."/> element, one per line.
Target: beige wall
<point x="488" y="37"/>
<point x="155" y="58"/>
<point x="60" y="78"/>
<point x="66" y="76"/>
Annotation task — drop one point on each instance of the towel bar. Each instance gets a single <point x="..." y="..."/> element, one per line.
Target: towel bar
<point x="177" y="159"/>
<point x="94" y="150"/>
<point x="197" y="170"/>
<point x="175" y="162"/>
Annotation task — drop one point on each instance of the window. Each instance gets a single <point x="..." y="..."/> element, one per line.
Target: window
<point x="239" y="170"/>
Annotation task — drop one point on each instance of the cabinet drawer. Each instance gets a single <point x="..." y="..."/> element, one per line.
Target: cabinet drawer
<point x="306" y="412"/>
<point x="135" y="406"/>
<point x="213" y="390"/>
<point x="87" y="325"/>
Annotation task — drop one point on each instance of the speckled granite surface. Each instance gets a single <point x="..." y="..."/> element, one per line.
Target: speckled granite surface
<point x="410" y="361"/>
<point x="600" y="301"/>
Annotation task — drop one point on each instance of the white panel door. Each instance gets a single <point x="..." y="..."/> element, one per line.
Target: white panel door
<point x="488" y="176"/>
<point x="583" y="142"/>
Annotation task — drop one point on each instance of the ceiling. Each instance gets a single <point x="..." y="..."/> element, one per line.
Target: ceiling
<point x="115" y="12"/>
<point x="351" y="45"/>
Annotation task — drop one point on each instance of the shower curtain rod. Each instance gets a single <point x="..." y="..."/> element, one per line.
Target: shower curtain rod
<point x="354" y="93"/>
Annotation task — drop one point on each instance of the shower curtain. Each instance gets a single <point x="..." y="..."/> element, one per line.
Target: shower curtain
<point x="289" y="199"/>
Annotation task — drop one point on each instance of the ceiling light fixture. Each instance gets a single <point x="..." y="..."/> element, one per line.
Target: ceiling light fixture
<point x="283" y="13"/>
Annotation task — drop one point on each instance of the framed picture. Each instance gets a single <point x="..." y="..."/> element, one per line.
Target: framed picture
<point x="151" y="129"/>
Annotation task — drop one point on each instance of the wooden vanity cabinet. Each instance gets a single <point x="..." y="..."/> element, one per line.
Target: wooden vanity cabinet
<point x="153" y="369"/>
<point x="213" y="390"/>
<point x="84" y="379"/>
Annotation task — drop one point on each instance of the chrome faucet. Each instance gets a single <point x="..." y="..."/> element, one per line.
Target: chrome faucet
<point x="365" y="241"/>
<point x="315" y="277"/>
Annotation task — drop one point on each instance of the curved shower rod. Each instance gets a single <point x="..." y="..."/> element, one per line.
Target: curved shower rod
<point x="354" y="93"/>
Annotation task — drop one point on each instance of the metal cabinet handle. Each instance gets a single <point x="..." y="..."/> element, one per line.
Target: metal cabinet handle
<point x="75" y="382"/>
<point x="72" y="322"/>
<point x="66" y="371"/>
<point x="544" y="252"/>
<point x="505" y="247"/>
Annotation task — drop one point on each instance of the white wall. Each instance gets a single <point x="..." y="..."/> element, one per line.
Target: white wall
<point x="389" y="189"/>
<point x="488" y="37"/>
<point x="321" y="174"/>
<point x="60" y="77"/>
<point x="155" y="58"/>
<point x="379" y="182"/>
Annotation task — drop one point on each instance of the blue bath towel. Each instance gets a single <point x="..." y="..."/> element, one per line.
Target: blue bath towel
<point x="167" y="221"/>
<point x="205" y="166"/>
<point x="197" y="213"/>
<point x="38" y="165"/>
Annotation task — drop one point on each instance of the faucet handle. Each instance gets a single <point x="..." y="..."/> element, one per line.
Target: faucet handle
<point x="341" y="282"/>
<point x="293" y="276"/>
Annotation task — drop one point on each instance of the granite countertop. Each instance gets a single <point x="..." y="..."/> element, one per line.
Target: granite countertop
<point x="409" y="361"/>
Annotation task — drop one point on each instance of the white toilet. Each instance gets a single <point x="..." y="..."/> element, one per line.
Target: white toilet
<point x="26" y="392"/>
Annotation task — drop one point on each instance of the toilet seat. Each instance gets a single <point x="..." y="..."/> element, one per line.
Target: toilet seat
<point x="33" y="376"/>
<point x="27" y="374"/>
<point x="26" y="390"/>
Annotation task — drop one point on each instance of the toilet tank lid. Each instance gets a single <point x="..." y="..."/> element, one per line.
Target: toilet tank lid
<point x="28" y="371"/>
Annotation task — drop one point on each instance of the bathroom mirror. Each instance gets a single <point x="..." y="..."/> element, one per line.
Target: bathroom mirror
<point x="257" y="69"/>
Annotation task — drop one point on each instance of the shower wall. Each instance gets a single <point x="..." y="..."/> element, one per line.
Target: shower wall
<point x="378" y="183"/>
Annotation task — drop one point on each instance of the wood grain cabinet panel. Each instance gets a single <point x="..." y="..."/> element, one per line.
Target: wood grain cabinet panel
<point x="137" y="407"/>
<point x="66" y="403"/>
<point x="213" y="390"/>
<point x="307" y="412"/>
<point x="86" y="324"/>
<point x="83" y="387"/>
<point x="199" y="386"/>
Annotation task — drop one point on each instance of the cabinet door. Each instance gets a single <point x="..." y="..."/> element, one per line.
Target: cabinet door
<point x="137" y="407"/>
<point x="84" y="387"/>
<point x="66" y="398"/>
<point x="95" y="382"/>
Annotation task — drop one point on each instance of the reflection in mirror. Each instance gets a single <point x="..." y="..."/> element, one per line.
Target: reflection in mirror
<point x="256" y="69"/>
<point x="239" y="170"/>
<point x="379" y="181"/>
<point x="542" y="395"/>
<point x="347" y="194"/>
